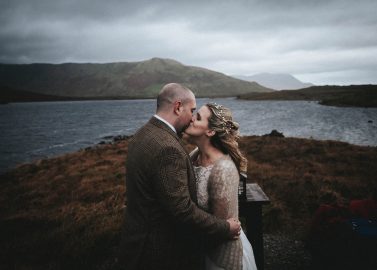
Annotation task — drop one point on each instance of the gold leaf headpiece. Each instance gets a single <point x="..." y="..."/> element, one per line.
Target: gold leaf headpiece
<point x="227" y="124"/>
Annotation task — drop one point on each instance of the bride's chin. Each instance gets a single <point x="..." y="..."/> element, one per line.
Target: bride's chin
<point x="186" y="131"/>
<point x="185" y="136"/>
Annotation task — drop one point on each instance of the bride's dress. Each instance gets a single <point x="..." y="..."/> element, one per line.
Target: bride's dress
<point x="217" y="190"/>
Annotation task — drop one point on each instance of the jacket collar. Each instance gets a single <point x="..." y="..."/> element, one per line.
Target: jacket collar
<point x="166" y="122"/>
<point x="160" y="124"/>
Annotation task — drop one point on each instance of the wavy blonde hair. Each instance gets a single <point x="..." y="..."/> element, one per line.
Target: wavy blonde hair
<point x="226" y="134"/>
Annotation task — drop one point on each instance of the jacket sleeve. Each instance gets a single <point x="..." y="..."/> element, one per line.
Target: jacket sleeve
<point x="171" y="185"/>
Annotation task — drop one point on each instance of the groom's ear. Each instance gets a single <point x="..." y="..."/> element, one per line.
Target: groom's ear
<point x="177" y="106"/>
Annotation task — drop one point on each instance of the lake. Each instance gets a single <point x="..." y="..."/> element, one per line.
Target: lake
<point x="35" y="130"/>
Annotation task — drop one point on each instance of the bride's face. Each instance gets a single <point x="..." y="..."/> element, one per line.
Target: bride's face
<point x="199" y="126"/>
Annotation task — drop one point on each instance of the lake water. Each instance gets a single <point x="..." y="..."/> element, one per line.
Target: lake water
<point x="31" y="131"/>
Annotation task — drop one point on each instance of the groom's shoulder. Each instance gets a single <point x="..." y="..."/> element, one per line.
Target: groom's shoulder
<point x="152" y="135"/>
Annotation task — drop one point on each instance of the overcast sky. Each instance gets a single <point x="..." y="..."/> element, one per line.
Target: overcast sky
<point x="317" y="41"/>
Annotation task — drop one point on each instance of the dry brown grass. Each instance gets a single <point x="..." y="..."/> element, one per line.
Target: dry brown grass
<point x="66" y="212"/>
<point x="300" y="174"/>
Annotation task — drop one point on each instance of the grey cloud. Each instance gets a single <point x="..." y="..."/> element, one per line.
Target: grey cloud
<point x="244" y="36"/>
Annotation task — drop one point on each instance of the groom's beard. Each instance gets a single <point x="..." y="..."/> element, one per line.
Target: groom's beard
<point x="180" y="133"/>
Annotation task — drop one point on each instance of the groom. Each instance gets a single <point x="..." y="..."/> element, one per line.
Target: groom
<point x="163" y="226"/>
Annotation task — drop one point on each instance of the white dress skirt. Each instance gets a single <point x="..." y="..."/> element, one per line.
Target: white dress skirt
<point x="248" y="260"/>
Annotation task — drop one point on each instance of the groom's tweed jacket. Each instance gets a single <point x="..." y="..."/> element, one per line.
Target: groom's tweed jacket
<point x="163" y="226"/>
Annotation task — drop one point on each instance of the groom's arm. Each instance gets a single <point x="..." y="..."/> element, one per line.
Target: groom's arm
<point x="172" y="190"/>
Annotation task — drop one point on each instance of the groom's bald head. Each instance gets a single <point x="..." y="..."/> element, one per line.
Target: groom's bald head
<point x="171" y="93"/>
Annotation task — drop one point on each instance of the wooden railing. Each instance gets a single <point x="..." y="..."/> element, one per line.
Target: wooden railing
<point x="250" y="208"/>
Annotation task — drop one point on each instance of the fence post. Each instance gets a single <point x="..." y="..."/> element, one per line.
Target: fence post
<point x="250" y="207"/>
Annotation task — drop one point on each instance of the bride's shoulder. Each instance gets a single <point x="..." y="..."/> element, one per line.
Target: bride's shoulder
<point x="224" y="164"/>
<point x="224" y="173"/>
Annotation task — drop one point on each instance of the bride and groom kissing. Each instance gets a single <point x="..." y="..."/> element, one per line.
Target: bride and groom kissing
<point x="182" y="209"/>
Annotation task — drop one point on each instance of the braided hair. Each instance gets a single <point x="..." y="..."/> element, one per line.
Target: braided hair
<point x="226" y="134"/>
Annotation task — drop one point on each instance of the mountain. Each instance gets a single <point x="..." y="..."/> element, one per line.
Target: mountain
<point x="119" y="80"/>
<point x="275" y="81"/>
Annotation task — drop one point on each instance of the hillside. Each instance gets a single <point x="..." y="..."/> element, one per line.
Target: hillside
<point x="276" y="81"/>
<point x="66" y="212"/>
<point x="120" y="80"/>
<point x="352" y="95"/>
<point x="13" y="95"/>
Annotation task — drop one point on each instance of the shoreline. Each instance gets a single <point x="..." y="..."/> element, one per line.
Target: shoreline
<point x="364" y="96"/>
<point x="363" y="100"/>
<point x="115" y="138"/>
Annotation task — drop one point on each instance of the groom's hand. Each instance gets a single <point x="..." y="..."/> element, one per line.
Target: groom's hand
<point x="234" y="228"/>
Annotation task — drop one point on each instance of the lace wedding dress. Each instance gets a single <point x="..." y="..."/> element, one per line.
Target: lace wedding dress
<point x="217" y="190"/>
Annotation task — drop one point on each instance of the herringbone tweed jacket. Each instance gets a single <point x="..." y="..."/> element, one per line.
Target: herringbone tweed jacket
<point x="163" y="227"/>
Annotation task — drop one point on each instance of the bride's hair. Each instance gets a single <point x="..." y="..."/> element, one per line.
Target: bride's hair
<point x="226" y="134"/>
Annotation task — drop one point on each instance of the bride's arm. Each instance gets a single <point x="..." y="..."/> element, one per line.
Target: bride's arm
<point x="223" y="190"/>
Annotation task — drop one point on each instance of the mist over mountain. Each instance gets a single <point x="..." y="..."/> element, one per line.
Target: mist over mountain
<point x="276" y="81"/>
<point x="119" y="80"/>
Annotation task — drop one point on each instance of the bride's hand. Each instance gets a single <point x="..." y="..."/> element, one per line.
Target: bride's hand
<point x="234" y="228"/>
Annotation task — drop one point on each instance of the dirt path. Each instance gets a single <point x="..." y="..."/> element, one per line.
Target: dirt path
<point x="283" y="252"/>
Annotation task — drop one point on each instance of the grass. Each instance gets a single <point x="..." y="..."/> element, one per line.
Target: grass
<point x="300" y="174"/>
<point x="66" y="212"/>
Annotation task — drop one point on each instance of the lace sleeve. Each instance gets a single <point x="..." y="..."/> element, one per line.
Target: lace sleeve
<point x="223" y="189"/>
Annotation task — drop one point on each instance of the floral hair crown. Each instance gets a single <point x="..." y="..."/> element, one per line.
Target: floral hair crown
<point x="226" y="124"/>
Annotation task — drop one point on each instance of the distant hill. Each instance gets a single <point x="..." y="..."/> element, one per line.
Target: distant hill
<point x="119" y="80"/>
<point x="352" y="95"/>
<point x="13" y="95"/>
<point x="275" y="81"/>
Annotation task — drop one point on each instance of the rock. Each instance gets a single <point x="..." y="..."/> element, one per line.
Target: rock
<point x="275" y="133"/>
<point x="121" y="138"/>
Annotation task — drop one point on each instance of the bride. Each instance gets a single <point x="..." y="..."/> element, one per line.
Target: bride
<point x="217" y="163"/>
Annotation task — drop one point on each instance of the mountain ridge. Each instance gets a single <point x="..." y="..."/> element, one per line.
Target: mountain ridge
<point x="276" y="81"/>
<point x="142" y="79"/>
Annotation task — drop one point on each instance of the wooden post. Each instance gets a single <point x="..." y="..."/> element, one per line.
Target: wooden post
<point x="251" y="209"/>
